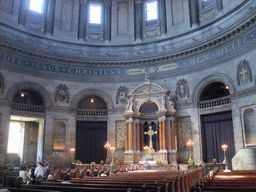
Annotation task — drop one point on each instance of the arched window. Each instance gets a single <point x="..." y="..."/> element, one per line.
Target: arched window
<point x="36" y="5"/>
<point x="28" y="96"/>
<point x="92" y="102"/>
<point x="37" y="15"/>
<point x="95" y="14"/>
<point x="214" y="90"/>
<point x="148" y="107"/>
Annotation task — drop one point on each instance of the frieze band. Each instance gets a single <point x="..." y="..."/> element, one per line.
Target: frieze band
<point x="87" y="71"/>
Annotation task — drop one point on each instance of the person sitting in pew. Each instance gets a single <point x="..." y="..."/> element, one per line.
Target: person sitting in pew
<point x="66" y="180"/>
<point x="23" y="173"/>
<point x="50" y="178"/>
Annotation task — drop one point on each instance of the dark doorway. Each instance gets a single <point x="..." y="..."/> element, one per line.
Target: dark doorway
<point x="91" y="136"/>
<point x="217" y="129"/>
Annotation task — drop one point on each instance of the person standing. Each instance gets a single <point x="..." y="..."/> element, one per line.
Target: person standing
<point x="39" y="170"/>
<point x="47" y="171"/>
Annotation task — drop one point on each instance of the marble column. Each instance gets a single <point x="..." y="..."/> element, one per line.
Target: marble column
<point x="138" y="20"/>
<point x="131" y="137"/>
<point x="162" y="14"/>
<point x="107" y="29"/>
<point x="82" y="19"/>
<point x="164" y="135"/>
<point x="194" y="16"/>
<point x="160" y="136"/>
<point x="50" y="17"/>
<point x="173" y="133"/>
<point x="138" y="136"/>
<point x="127" y="137"/>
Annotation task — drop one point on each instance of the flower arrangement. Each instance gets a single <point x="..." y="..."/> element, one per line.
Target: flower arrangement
<point x="191" y="162"/>
<point x="214" y="161"/>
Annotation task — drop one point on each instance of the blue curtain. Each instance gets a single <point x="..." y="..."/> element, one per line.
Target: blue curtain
<point x="146" y="137"/>
<point x="217" y="129"/>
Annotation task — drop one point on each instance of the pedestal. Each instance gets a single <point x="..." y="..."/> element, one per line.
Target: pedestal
<point x="245" y="159"/>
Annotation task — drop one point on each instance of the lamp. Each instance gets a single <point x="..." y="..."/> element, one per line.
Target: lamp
<point x="224" y="148"/>
<point x="190" y="144"/>
<point x="72" y="151"/>
<point x="112" y="149"/>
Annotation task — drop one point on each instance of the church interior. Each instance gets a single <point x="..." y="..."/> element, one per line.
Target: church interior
<point x="148" y="84"/>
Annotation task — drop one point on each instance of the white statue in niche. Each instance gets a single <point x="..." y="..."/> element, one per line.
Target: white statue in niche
<point x="129" y="106"/>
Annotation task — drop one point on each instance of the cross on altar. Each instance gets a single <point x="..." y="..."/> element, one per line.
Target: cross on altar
<point x="150" y="133"/>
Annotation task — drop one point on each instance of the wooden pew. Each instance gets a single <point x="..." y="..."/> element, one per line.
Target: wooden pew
<point x="237" y="180"/>
<point x="71" y="188"/>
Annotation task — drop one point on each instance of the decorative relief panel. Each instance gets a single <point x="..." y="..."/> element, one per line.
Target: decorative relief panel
<point x="122" y="18"/>
<point x="62" y="93"/>
<point x="183" y="135"/>
<point x="177" y="12"/>
<point x="184" y="131"/>
<point x="6" y="6"/>
<point x="120" y="134"/>
<point x="182" y="89"/>
<point x="66" y="15"/>
<point x="244" y="73"/>
<point x="121" y="95"/>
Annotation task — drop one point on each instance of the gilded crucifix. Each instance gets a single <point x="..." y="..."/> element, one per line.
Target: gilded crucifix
<point x="150" y="133"/>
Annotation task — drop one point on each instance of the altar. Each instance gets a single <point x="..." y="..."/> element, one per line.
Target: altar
<point x="149" y="162"/>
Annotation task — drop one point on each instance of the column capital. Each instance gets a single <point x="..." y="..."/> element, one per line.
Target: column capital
<point x="162" y="118"/>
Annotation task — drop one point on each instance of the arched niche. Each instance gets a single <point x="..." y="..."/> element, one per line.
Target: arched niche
<point x="249" y="117"/>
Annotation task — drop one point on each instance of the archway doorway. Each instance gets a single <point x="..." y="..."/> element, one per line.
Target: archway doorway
<point x="217" y="128"/>
<point x="26" y="128"/>
<point x="91" y="132"/>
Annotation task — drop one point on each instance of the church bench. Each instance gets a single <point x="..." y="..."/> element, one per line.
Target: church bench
<point x="70" y="188"/>
<point x="27" y="190"/>
<point x="231" y="188"/>
<point x="74" y="173"/>
<point x="168" y="184"/>
<point x="154" y="187"/>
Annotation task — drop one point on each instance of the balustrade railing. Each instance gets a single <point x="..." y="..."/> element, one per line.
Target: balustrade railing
<point x="92" y="112"/>
<point x="215" y="102"/>
<point x="28" y="108"/>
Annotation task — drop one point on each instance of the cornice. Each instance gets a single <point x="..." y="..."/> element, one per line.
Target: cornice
<point x="230" y="33"/>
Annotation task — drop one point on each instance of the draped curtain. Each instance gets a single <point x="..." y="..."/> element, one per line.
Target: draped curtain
<point x="91" y="137"/>
<point x="217" y="129"/>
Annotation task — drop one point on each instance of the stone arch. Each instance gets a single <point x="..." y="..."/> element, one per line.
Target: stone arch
<point x="210" y="79"/>
<point x="29" y="85"/>
<point x="88" y="92"/>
